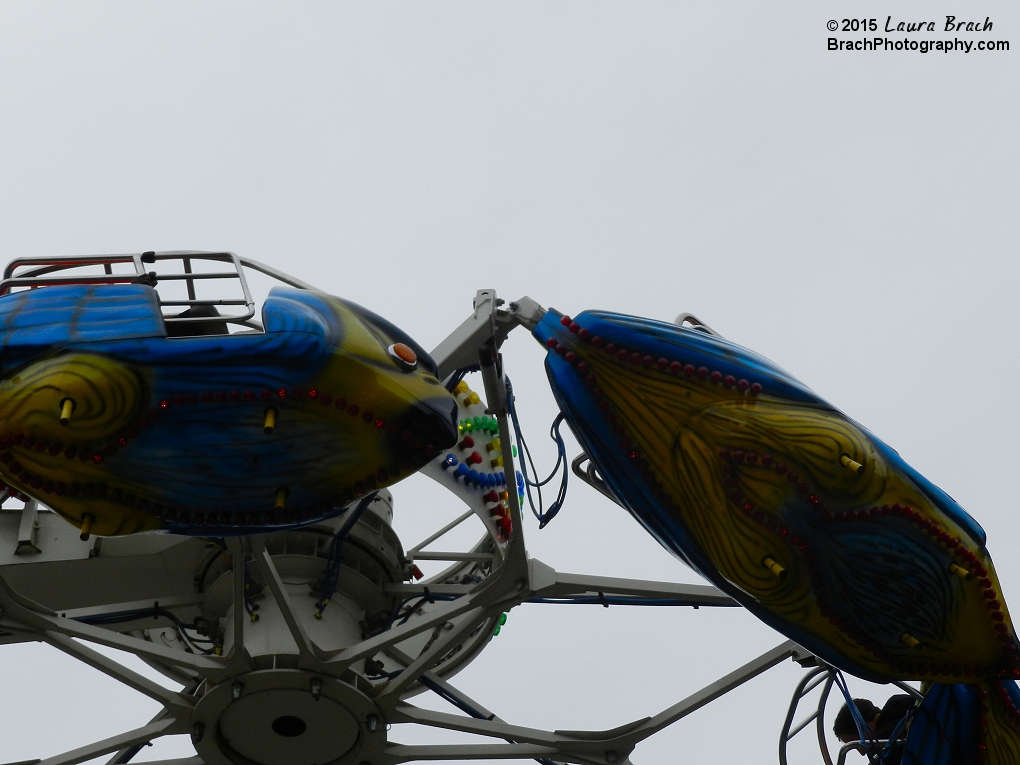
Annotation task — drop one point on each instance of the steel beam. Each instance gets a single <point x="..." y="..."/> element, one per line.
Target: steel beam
<point x="39" y="626"/>
<point x="172" y="700"/>
<point x="179" y="601"/>
<point x="394" y="754"/>
<point x="447" y="528"/>
<point x="546" y="582"/>
<point x="720" y="687"/>
<point x="126" y="754"/>
<point x="459" y="557"/>
<point x="27" y="529"/>
<point x="433" y="653"/>
<point x="407" y="713"/>
<point x="308" y="655"/>
<point x="367" y="648"/>
<point x="460" y="348"/>
<point x="141" y="735"/>
<point x="239" y="661"/>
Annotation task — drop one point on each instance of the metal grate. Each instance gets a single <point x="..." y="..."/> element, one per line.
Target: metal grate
<point x="34" y="273"/>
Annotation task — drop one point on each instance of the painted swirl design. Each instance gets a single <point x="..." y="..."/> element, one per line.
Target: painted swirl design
<point x="782" y="501"/>
<point x="998" y="725"/>
<point x="107" y="396"/>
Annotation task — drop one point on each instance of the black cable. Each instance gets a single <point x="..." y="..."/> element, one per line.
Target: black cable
<point x="404" y="615"/>
<point x="250" y="607"/>
<point x="452" y="698"/>
<point x="426" y="597"/>
<point x="331" y="574"/>
<point x="130" y="753"/>
<point x="561" y="466"/>
<point x="451" y="382"/>
<point x="602" y="600"/>
<point x="119" y="617"/>
<point x="200" y="579"/>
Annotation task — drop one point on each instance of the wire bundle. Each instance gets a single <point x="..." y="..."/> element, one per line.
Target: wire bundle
<point x="334" y="557"/>
<point x="561" y="465"/>
<point x="119" y="617"/>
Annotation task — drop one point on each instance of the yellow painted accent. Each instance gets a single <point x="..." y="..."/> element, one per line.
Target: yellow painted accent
<point x="281" y="499"/>
<point x="66" y="407"/>
<point x="86" y="526"/>
<point x="911" y="641"/>
<point x="771" y="565"/>
<point x="960" y="571"/>
<point x="269" y="424"/>
<point x="850" y="464"/>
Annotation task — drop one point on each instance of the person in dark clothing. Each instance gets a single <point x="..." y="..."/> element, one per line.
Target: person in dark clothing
<point x="881" y="723"/>
<point x="844" y="726"/>
<point x="895" y="709"/>
<point x="197" y="328"/>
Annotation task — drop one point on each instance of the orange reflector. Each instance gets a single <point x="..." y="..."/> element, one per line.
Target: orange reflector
<point x="404" y="353"/>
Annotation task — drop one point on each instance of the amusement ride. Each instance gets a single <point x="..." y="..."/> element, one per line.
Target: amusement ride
<point x="204" y="486"/>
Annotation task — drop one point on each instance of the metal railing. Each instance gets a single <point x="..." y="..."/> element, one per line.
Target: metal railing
<point x="808" y="683"/>
<point x="816" y="677"/>
<point x="39" y="272"/>
<point x="870" y="750"/>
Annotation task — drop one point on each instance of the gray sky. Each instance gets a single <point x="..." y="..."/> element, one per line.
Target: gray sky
<point x="849" y="215"/>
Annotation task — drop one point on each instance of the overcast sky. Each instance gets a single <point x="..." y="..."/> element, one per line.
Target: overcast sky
<point x="852" y="216"/>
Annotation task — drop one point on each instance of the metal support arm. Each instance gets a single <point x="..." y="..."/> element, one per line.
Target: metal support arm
<point x="583" y="747"/>
<point x="141" y="735"/>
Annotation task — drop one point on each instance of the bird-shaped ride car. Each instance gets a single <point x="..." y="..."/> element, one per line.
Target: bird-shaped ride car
<point x="120" y="428"/>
